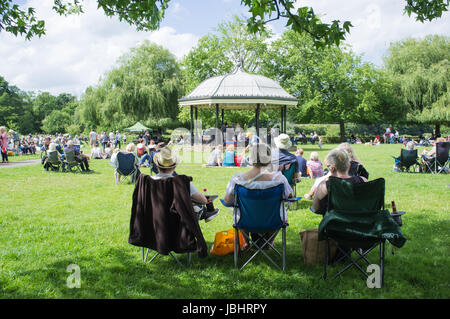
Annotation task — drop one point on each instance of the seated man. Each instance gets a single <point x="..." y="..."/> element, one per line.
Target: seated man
<point x="215" y="159"/>
<point x="79" y="157"/>
<point x="166" y="163"/>
<point x="338" y="163"/>
<point x="301" y="162"/>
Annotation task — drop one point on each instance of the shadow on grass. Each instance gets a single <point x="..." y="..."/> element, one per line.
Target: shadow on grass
<point x="419" y="269"/>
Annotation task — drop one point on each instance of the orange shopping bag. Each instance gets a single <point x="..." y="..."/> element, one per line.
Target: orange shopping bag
<point x="224" y="242"/>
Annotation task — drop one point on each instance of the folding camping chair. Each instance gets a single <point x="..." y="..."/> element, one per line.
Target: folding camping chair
<point x="439" y="163"/>
<point x="408" y="159"/>
<point x="289" y="172"/>
<point x="71" y="161"/>
<point x="126" y="166"/>
<point x="202" y="209"/>
<point x="257" y="211"/>
<point x="52" y="161"/>
<point x="356" y="221"/>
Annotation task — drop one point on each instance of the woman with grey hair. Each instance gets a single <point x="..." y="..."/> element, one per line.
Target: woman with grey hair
<point x="397" y="166"/>
<point x="338" y="166"/>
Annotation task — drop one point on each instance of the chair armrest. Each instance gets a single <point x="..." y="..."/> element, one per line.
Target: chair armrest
<point x="294" y="199"/>
<point x="224" y="204"/>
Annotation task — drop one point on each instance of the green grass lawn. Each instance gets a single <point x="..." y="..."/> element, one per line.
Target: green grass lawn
<point x="50" y="220"/>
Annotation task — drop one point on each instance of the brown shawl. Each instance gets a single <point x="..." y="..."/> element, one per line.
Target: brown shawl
<point x="162" y="217"/>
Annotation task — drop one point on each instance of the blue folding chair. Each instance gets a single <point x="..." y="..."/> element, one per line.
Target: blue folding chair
<point x="126" y="167"/>
<point x="257" y="211"/>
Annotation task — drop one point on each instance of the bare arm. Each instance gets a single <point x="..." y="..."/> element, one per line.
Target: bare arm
<point x="199" y="198"/>
<point x="319" y="194"/>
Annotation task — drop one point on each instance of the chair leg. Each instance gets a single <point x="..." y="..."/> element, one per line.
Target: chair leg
<point x="327" y="247"/>
<point x="236" y="247"/>
<point x="382" y="246"/>
<point x="284" y="248"/>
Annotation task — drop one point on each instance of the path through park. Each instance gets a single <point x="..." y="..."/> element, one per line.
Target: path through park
<point x="20" y="163"/>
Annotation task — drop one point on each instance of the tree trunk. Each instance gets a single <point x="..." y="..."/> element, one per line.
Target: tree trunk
<point x="437" y="130"/>
<point x="342" y="130"/>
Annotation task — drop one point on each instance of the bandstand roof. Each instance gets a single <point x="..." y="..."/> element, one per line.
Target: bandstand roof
<point x="238" y="90"/>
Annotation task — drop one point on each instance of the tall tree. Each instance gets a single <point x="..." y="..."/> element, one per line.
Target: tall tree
<point x="332" y="85"/>
<point x="147" y="15"/>
<point x="145" y="85"/>
<point x="422" y="69"/>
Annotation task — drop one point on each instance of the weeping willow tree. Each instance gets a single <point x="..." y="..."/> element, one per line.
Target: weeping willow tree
<point x="145" y="86"/>
<point x="422" y="68"/>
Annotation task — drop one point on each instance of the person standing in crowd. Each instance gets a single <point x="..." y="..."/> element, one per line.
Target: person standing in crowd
<point x="124" y="138"/>
<point x="103" y="140"/>
<point x="4" y="144"/>
<point x="118" y="139"/>
<point x="386" y="135"/>
<point x="92" y="137"/>
<point x="112" y="137"/>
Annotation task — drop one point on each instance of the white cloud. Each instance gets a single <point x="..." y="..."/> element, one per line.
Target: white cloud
<point x="76" y="50"/>
<point x="376" y="23"/>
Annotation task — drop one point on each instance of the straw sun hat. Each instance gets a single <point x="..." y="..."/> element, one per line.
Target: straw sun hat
<point x="283" y="141"/>
<point x="165" y="159"/>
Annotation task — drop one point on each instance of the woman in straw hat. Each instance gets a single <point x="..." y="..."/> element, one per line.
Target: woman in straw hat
<point x="166" y="162"/>
<point x="283" y="143"/>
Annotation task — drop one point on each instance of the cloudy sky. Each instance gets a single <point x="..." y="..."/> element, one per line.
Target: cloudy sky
<point x="77" y="50"/>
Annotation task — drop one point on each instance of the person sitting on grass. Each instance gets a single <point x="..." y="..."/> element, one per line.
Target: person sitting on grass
<point x="301" y="162"/>
<point x="229" y="156"/>
<point x="258" y="177"/>
<point x="338" y="165"/>
<point x="96" y="152"/>
<point x="310" y="194"/>
<point x="215" y="158"/>
<point x="108" y="150"/>
<point x="314" y="166"/>
<point x="166" y="163"/>
<point x="79" y="157"/>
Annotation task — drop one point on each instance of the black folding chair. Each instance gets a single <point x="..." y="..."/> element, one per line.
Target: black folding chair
<point x="356" y="221"/>
<point x="439" y="163"/>
<point x="52" y="161"/>
<point x="72" y="164"/>
<point x="408" y="159"/>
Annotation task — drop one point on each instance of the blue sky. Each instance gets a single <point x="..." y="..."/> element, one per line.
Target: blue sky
<point x="78" y="50"/>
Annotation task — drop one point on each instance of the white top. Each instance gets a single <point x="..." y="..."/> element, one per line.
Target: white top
<point x="192" y="188"/>
<point x="277" y="179"/>
<point x="213" y="158"/>
<point x="95" y="152"/>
